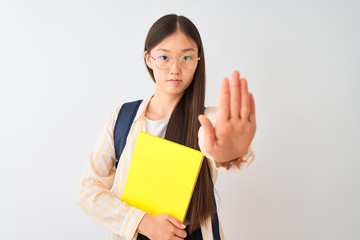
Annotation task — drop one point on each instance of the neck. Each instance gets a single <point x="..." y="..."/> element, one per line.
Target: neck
<point x="161" y="106"/>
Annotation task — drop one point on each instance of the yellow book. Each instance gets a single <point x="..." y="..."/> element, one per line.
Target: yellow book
<point x="162" y="176"/>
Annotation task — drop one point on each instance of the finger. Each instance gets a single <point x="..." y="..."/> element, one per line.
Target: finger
<point x="209" y="131"/>
<point x="235" y="96"/>
<point x="252" y="111"/>
<point x="245" y="100"/>
<point x="180" y="233"/>
<point x="176" y="222"/>
<point x="224" y="101"/>
<point x="177" y="238"/>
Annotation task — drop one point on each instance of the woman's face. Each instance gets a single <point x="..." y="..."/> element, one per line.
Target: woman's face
<point x="176" y="78"/>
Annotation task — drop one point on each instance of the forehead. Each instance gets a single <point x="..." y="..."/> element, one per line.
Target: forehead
<point x="176" y="43"/>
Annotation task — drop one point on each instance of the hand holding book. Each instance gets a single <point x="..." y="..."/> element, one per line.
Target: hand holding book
<point x="161" y="226"/>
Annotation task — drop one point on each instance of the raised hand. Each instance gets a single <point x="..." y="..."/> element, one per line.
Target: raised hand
<point x="235" y="124"/>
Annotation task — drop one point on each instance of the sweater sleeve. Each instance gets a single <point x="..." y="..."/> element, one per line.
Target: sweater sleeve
<point x="95" y="195"/>
<point x="238" y="163"/>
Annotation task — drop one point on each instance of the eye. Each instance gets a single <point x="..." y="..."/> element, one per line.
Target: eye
<point x="163" y="58"/>
<point x="187" y="58"/>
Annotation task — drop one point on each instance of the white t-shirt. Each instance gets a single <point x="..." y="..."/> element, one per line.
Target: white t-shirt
<point x="157" y="127"/>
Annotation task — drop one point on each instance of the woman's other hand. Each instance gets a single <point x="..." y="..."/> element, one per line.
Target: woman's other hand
<point x="161" y="227"/>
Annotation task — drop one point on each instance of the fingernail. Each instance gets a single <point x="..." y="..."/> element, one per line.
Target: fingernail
<point x="183" y="225"/>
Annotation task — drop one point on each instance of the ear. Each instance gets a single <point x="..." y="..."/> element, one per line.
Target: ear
<point x="148" y="59"/>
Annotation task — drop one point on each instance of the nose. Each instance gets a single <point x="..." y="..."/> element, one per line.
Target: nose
<point x="175" y="67"/>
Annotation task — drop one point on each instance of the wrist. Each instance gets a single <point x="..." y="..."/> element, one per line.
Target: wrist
<point x="245" y="159"/>
<point x="144" y="224"/>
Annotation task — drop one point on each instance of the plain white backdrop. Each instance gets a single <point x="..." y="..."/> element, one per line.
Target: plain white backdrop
<point x="65" y="65"/>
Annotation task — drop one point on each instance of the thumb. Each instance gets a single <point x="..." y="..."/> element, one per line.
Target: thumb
<point x="175" y="222"/>
<point x="209" y="131"/>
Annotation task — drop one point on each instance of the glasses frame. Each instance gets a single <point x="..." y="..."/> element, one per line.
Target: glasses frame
<point x="171" y="61"/>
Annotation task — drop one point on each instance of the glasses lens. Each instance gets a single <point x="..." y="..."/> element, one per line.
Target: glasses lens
<point x="163" y="61"/>
<point x="188" y="62"/>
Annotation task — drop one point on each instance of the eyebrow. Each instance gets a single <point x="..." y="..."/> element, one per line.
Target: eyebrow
<point x="184" y="50"/>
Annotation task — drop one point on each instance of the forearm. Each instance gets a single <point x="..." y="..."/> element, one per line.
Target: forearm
<point x="108" y="210"/>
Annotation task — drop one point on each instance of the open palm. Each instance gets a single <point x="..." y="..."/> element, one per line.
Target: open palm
<point x="235" y="124"/>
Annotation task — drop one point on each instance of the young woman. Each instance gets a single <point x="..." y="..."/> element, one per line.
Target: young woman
<point x="174" y="57"/>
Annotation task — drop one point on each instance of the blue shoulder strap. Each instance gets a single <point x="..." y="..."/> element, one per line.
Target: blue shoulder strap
<point x="215" y="219"/>
<point x="122" y="127"/>
<point x="123" y="123"/>
<point x="215" y="226"/>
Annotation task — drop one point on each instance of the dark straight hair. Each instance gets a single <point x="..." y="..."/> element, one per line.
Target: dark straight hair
<point x="183" y="125"/>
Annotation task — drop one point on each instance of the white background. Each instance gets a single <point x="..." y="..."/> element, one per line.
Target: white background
<point x="65" y="65"/>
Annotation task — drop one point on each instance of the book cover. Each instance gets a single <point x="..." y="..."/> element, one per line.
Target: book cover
<point x="162" y="176"/>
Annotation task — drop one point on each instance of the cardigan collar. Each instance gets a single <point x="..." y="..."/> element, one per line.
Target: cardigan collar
<point x="142" y="108"/>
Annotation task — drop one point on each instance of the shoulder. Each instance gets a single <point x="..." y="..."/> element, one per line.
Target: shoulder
<point x="115" y="112"/>
<point x="128" y="107"/>
<point x="111" y="121"/>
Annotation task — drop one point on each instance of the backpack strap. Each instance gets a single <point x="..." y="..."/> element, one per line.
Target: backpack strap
<point x="215" y="218"/>
<point x="215" y="226"/>
<point x="123" y="124"/>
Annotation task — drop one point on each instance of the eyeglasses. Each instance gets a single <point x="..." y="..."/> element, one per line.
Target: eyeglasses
<point x="163" y="62"/>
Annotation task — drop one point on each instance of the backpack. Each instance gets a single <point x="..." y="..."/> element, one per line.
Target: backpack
<point x="122" y="127"/>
